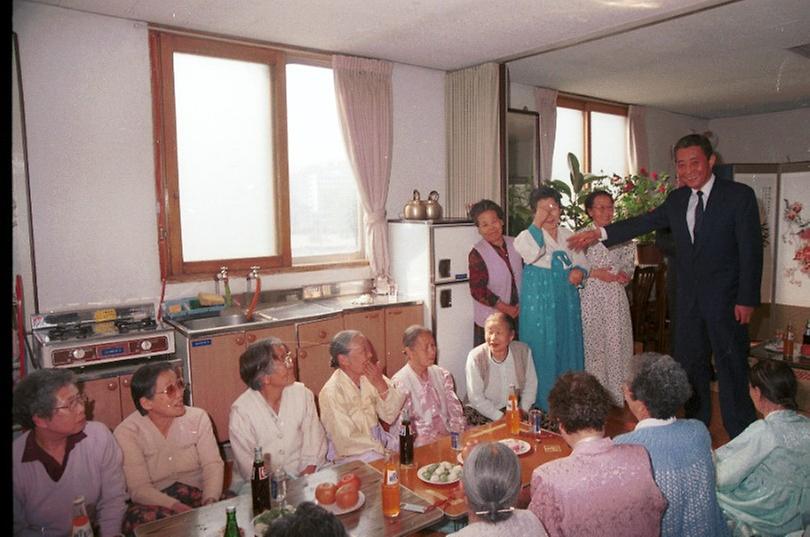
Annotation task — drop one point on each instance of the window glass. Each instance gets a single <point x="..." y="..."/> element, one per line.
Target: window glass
<point x="570" y="138"/>
<point x="224" y="159"/>
<point x="608" y="144"/>
<point x="324" y="205"/>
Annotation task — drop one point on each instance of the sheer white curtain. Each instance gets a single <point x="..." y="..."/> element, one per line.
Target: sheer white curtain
<point x="365" y="104"/>
<point x="638" y="155"/>
<point x="546" y="102"/>
<point x="473" y="155"/>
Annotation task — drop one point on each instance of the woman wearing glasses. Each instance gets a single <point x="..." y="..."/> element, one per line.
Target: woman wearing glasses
<point x="171" y="458"/>
<point x="60" y="456"/>
<point x="275" y="413"/>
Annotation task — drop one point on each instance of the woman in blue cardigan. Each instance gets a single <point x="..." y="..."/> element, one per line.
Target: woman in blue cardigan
<point x="680" y="450"/>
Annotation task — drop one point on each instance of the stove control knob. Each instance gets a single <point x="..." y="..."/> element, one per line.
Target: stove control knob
<point x="146" y="344"/>
<point x="78" y="354"/>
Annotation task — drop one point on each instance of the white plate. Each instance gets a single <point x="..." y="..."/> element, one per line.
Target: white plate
<point x="421" y="470"/>
<point x="520" y="447"/>
<point x="774" y="346"/>
<point x="333" y="508"/>
<point x="459" y="457"/>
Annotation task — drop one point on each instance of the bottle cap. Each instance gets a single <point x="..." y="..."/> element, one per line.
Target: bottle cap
<point x="78" y="500"/>
<point x="230" y="509"/>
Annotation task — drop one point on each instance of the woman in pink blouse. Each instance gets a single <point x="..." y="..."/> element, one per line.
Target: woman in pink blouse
<point x="602" y="488"/>
<point x="431" y="401"/>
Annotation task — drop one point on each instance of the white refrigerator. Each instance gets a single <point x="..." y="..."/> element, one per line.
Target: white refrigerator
<point x="429" y="263"/>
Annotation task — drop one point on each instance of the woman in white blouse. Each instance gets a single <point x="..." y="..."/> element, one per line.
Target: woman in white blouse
<point x="275" y="412"/>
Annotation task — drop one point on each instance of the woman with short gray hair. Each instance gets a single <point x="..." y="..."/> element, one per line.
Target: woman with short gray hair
<point x="680" y="450"/>
<point x="432" y="404"/>
<point x="491" y="479"/>
<point x="275" y="413"/>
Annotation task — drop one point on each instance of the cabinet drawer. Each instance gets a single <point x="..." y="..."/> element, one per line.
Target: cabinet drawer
<point x="319" y="332"/>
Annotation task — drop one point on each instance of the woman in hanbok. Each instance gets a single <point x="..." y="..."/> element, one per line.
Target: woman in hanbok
<point x="431" y="401"/>
<point x="549" y="301"/>
<point x="607" y="330"/>
<point x="763" y="475"/>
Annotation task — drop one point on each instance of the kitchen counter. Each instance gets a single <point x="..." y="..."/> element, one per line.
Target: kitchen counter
<point x="268" y="315"/>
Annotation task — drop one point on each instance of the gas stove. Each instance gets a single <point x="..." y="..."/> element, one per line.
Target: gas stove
<point x="95" y="336"/>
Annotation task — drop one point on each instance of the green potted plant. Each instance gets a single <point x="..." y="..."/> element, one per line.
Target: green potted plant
<point x="572" y="211"/>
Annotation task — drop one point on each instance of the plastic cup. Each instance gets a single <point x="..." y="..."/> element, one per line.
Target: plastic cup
<point x="536" y="423"/>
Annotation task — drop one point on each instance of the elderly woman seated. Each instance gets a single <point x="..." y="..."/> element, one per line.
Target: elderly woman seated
<point x="763" y="475"/>
<point x="432" y="404"/>
<point x="355" y="398"/>
<point x="493" y="366"/>
<point x="308" y="520"/>
<point x="275" y="413"/>
<point x="171" y="458"/>
<point x="60" y="456"/>
<point x="601" y="488"/>
<point x="491" y="480"/>
<point x="680" y="450"/>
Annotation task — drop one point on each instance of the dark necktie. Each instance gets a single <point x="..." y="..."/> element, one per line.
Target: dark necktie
<point x="698" y="215"/>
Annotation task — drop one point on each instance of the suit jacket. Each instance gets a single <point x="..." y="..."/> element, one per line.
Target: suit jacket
<point x="724" y="266"/>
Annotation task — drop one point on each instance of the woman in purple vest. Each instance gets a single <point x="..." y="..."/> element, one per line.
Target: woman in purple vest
<point x="495" y="268"/>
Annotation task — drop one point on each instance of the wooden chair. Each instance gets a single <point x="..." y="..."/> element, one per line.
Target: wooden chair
<point x="640" y="292"/>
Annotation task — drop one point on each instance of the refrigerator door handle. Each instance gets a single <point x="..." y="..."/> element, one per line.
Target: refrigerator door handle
<point x="446" y="298"/>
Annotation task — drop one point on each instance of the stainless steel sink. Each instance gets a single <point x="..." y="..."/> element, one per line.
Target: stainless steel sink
<point x="298" y="310"/>
<point x="220" y="321"/>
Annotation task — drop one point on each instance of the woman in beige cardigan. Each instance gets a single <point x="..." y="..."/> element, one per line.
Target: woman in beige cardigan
<point x="171" y="458"/>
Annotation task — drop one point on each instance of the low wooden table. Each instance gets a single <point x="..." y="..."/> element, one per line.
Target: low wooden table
<point x="208" y="521"/>
<point x="449" y="497"/>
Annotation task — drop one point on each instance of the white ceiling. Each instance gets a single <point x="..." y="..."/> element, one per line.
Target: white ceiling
<point x="707" y="58"/>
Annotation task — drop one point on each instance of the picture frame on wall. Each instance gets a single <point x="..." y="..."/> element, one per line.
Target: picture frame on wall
<point x="792" y="282"/>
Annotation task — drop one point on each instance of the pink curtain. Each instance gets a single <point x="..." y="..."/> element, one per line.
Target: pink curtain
<point x="364" y="98"/>
<point x="546" y="102"/>
<point x="638" y="155"/>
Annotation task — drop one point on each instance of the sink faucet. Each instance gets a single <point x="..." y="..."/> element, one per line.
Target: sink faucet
<point x="252" y="280"/>
<point x="222" y="276"/>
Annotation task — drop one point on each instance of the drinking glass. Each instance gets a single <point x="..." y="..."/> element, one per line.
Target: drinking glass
<point x="535" y="423"/>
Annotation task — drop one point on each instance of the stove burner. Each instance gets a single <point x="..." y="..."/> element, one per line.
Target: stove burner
<point x="77" y="331"/>
<point x="125" y="325"/>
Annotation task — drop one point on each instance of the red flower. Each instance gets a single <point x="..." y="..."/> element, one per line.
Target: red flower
<point x="628" y="186"/>
<point x="655" y="176"/>
<point x="642" y="171"/>
<point x="805" y="234"/>
<point x="796" y="207"/>
<point x="791" y="215"/>
<point x="662" y="188"/>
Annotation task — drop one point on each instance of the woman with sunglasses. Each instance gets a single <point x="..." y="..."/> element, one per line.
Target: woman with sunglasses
<point x="171" y="458"/>
<point x="275" y="413"/>
<point x="60" y="456"/>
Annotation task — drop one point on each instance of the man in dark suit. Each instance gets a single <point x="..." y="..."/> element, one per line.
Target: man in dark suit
<point x="715" y="227"/>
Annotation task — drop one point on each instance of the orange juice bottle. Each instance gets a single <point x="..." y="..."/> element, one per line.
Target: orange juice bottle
<point x="513" y="412"/>
<point x="390" y="486"/>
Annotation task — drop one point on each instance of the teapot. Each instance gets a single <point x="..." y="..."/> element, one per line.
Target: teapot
<point x="433" y="211"/>
<point x="415" y="208"/>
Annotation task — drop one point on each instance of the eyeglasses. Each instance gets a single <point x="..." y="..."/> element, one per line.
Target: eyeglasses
<point x="287" y="360"/>
<point x="172" y="389"/>
<point x="74" y="402"/>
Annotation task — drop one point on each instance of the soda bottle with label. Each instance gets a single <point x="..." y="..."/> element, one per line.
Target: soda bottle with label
<point x="390" y="486"/>
<point x="231" y="526"/>
<point x="513" y="412"/>
<point x="806" y="340"/>
<point x="259" y="483"/>
<point x="81" y="522"/>
<point x="406" y="439"/>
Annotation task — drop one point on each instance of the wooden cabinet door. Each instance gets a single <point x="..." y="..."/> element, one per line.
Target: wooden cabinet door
<point x="372" y="324"/>
<point x="214" y="374"/>
<point x="104" y="400"/>
<point x="285" y="333"/>
<point x="313" y="351"/>
<point x="127" y="405"/>
<point x="397" y="319"/>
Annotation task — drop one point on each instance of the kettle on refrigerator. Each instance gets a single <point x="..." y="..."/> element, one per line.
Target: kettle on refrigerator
<point x="415" y="209"/>
<point x="433" y="211"/>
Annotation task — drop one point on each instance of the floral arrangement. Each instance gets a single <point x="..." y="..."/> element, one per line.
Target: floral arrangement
<point x="640" y="193"/>
<point x="797" y="234"/>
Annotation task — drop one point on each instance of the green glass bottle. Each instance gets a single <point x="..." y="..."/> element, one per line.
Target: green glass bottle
<point x="231" y="527"/>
